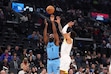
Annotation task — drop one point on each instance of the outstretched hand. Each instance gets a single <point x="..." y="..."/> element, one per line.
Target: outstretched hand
<point x="71" y="23"/>
<point x="58" y="19"/>
<point x="52" y="18"/>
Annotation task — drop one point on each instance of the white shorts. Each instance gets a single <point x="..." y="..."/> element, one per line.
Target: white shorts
<point x="65" y="63"/>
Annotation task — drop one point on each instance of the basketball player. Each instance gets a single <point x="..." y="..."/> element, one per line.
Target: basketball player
<point x="52" y="42"/>
<point x="66" y="46"/>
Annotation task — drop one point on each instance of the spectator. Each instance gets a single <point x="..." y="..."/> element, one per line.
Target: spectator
<point x="93" y="67"/>
<point x="5" y="65"/>
<point x="96" y="71"/>
<point x="17" y="50"/>
<point x="37" y="60"/>
<point x="39" y="35"/>
<point x="105" y="71"/>
<point x="33" y="36"/>
<point x="80" y="70"/>
<point x="33" y="70"/>
<point x="88" y="57"/>
<point x="24" y="70"/>
<point x="104" y="59"/>
<point x="94" y="55"/>
<point x="15" y="64"/>
<point x="78" y="60"/>
<point x="70" y="71"/>
<point x="24" y="64"/>
<point x="15" y="55"/>
<point x="31" y="57"/>
<point x="5" y="55"/>
<point x="44" y="71"/>
<point x="74" y="65"/>
<point x="9" y="49"/>
<point x="72" y="59"/>
<point x="100" y="68"/>
<point x="24" y="54"/>
<point x="87" y="70"/>
<point x="103" y="47"/>
<point x="98" y="59"/>
<point x="40" y="47"/>
<point x="41" y="65"/>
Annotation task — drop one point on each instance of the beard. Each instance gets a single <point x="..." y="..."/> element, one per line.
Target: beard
<point x="51" y="39"/>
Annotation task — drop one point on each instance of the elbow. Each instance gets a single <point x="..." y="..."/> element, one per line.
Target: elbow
<point x="63" y="31"/>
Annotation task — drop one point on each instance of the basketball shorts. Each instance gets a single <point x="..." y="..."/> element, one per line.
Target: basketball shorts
<point x="65" y="63"/>
<point x="53" y="66"/>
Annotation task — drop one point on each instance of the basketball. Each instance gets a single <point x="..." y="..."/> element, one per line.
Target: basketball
<point x="50" y="9"/>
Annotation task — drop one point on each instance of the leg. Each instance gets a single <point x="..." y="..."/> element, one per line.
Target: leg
<point x="56" y="66"/>
<point x="63" y="72"/>
<point x="63" y="66"/>
<point x="49" y="67"/>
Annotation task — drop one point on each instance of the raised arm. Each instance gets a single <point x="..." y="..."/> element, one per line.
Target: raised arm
<point x="56" y="37"/>
<point x="64" y="31"/>
<point x="58" y="20"/>
<point x="45" y="35"/>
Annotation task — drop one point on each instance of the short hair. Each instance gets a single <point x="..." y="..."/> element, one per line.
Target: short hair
<point x="73" y="34"/>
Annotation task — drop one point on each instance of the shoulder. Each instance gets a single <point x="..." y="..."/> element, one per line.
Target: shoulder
<point x="56" y="44"/>
<point x="69" y="41"/>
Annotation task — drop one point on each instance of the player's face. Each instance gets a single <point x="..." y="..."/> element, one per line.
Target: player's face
<point x="51" y="38"/>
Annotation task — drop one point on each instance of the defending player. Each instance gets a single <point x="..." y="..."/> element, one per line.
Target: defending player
<point x="66" y="46"/>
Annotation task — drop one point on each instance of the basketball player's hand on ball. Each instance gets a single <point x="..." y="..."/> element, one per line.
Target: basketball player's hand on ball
<point x="52" y="18"/>
<point x="71" y="23"/>
<point x="58" y="19"/>
<point x="45" y="22"/>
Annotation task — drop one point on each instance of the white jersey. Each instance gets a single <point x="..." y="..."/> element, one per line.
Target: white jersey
<point x="66" y="48"/>
<point x="65" y="59"/>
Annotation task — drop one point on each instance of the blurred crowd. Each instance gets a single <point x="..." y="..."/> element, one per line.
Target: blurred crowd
<point x="93" y="57"/>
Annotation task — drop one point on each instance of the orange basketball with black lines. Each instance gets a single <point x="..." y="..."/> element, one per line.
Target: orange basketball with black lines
<point x="50" y="9"/>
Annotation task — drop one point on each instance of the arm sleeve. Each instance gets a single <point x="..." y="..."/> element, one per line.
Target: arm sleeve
<point x="64" y="30"/>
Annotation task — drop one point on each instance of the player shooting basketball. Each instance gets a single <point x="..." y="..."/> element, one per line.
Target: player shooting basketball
<point x="52" y="42"/>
